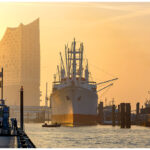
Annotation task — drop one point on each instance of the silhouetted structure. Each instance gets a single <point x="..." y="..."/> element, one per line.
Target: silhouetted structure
<point x="21" y="109"/>
<point x="125" y="115"/>
<point x="137" y="108"/>
<point x="122" y="115"/>
<point x="113" y="115"/>
<point x="20" y="58"/>
<point x="119" y="114"/>
<point x="100" y="113"/>
<point x="128" y="115"/>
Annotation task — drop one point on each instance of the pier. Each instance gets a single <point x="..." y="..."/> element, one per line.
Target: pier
<point x="10" y="135"/>
<point x="111" y="115"/>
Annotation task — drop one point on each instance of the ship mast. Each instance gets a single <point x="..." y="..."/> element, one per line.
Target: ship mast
<point x="62" y="68"/>
<point x="73" y="64"/>
<point x="58" y="72"/>
<point x="66" y="60"/>
<point x="69" y="60"/>
<point x="80" y="59"/>
<point x="74" y="60"/>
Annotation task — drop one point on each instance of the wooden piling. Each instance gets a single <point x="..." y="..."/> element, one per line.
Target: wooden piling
<point x="21" y="109"/>
<point x="122" y="105"/>
<point x="137" y="108"/>
<point x="128" y="115"/>
<point x="100" y="113"/>
<point x="113" y="115"/>
<point x="119" y="115"/>
<point x="137" y="113"/>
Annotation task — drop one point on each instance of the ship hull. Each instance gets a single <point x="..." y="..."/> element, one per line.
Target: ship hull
<point x="74" y="106"/>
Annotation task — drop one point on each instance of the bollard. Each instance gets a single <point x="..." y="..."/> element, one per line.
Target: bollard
<point x="113" y="116"/>
<point x="122" y="115"/>
<point x="128" y="115"/>
<point x="21" y="109"/>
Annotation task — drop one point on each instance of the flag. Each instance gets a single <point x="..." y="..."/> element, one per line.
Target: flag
<point x="1" y="74"/>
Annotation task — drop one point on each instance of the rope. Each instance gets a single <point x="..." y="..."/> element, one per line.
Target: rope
<point x="98" y="68"/>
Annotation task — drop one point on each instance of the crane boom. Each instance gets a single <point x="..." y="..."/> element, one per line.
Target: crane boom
<point x="107" y="81"/>
<point x="105" y="87"/>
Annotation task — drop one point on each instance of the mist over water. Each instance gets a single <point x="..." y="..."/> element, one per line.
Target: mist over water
<point x="88" y="137"/>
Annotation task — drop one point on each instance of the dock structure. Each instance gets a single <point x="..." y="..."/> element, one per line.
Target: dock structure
<point x="125" y="115"/>
<point x="23" y="141"/>
<point x="10" y="135"/>
<point x="8" y="142"/>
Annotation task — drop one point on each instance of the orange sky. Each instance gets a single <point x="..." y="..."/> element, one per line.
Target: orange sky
<point x="116" y="38"/>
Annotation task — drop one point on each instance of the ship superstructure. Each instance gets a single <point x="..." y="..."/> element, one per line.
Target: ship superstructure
<point x="74" y="98"/>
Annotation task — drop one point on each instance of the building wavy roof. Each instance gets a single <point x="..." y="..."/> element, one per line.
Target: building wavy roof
<point x="9" y="29"/>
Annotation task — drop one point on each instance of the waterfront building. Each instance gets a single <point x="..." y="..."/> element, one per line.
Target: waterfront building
<point x="20" y="58"/>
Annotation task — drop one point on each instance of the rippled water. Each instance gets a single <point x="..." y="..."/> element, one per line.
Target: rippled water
<point x="89" y="137"/>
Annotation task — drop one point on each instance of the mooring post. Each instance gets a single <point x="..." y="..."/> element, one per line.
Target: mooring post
<point x="101" y="116"/>
<point x="122" y="115"/>
<point x="118" y="115"/>
<point x="128" y="115"/>
<point x="137" y="112"/>
<point x="2" y="84"/>
<point x="113" y="115"/>
<point x="21" y="109"/>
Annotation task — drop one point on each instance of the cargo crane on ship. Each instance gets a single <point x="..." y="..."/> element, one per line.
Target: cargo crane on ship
<point x="106" y="82"/>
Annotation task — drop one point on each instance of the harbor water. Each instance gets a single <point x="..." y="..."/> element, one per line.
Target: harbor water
<point x="98" y="136"/>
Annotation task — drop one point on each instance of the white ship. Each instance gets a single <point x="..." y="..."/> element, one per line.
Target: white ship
<point x="74" y="98"/>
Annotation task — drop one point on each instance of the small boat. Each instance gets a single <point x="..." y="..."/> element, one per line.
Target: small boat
<point x="51" y="125"/>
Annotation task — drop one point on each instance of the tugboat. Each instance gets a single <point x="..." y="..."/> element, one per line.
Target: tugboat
<point x="51" y="125"/>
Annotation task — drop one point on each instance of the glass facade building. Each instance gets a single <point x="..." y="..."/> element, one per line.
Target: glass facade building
<point x="20" y="58"/>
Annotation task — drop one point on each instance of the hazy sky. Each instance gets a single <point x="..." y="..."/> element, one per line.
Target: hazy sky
<point x="116" y="38"/>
